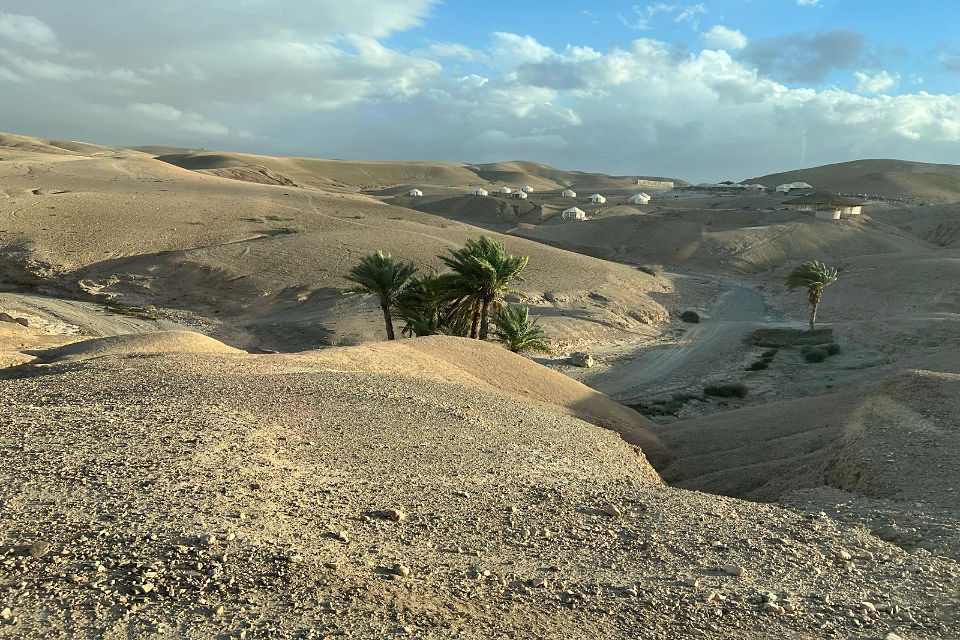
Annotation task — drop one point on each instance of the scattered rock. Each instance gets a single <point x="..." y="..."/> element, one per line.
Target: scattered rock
<point x="22" y="322"/>
<point x="208" y="539"/>
<point x="581" y="359"/>
<point x="733" y="569"/>
<point x="401" y="570"/>
<point x="395" y="514"/>
<point x="39" y="548"/>
<point x="613" y="511"/>
<point x="6" y="317"/>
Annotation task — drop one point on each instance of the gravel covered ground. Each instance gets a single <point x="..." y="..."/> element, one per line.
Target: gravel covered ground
<point x="235" y="496"/>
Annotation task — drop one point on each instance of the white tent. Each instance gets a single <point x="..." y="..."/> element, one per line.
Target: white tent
<point x="526" y="188"/>
<point x="478" y="192"/>
<point x="569" y="193"/>
<point x="640" y="198"/>
<point x="505" y="190"/>
<point x="573" y="213"/>
<point x="597" y="199"/>
<point x="416" y="193"/>
<point x="520" y="194"/>
<point x="791" y="186"/>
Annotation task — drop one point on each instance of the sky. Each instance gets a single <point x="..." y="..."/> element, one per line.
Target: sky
<point x="705" y="91"/>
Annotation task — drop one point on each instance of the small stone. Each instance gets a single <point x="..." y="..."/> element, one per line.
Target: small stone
<point x="395" y="514"/>
<point x="580" y="359"/>
<point x="769" y="597"/>
<point x="892" y="636"/>
<point x="208" y="539"/>
<point x="733" y="569"/>
<point x="772" y="607"/>
<point x="844" y="555"/>
<point x="218" y="611"/>
<point x="401" y="570"/>
<point x="343" y="536"/>
<point x="39" y="548"/>
<point x="692" y="582"/>
<point x="6" y="614"/>
<point x="146" y="587"/>
<point x="612" y="510"/>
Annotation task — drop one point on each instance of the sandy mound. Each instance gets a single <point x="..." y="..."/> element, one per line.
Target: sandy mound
<point x="200" y="495"/>
<point x="159" y="342"/>
<point x="471" y="209"/>
<point x="490" y="368"/>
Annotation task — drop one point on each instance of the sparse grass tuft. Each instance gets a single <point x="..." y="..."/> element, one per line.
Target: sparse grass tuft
<point x="769" y="353"/>
<point x="816" y="354"/>
<point x="147" y="312"/>
<point x="759" y="365"/>
<point x="652" y="269"/>
<point x="690" y="316"/>
<point x="726" y="390"/>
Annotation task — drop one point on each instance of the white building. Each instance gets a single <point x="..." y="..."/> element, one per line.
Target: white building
<point x="793" y="186"/>
<point x="826" y="203"/>
<point x="520" y="194"/>
<point x="416" y="193"/>
<point x="640" y="198"/>
<point x="569" y="193"/>
<point x="505" y="190"/>
<point x="573" y="213"/>
<point x="479" y="192"/>
<point x="597" y="199"/>
<point x="527" y="189"/>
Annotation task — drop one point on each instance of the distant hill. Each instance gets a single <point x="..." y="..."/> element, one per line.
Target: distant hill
<point x="937" y="183"/>
<point x="541" y="176"/>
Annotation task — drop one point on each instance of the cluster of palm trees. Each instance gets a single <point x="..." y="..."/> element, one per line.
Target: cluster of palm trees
<point x="464" y="301"/>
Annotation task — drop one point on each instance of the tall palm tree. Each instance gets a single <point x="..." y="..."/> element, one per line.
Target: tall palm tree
<point x="380" y="275"/>
<point x="519" y="332"/>
<point x="424" y="310"/>
<point x="482" y="274"/>
<point x="813" y="276"/>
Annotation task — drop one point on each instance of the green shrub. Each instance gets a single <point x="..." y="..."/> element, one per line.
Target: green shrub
<point x="726" y="390"/>
<point x="759" y="365"/>
<point x="833" y="349"/>
<point x="770" y="353"/>
<point x="779" y="338"/>
<point x="816" y="354"/>
<point x="690" y="316"/>
<point x="652" y="269"/>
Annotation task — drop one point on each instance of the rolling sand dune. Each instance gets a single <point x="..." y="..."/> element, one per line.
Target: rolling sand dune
<point x="144" y="230"/>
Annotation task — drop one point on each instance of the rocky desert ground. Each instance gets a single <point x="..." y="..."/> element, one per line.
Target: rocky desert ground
<point x="204" y="437"/>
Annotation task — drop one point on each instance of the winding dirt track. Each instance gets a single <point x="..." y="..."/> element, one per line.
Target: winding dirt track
<point x="737" y="312"/>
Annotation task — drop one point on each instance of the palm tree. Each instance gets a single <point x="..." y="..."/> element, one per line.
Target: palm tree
<point x="519" y="332"/>
<point x="814" y="277"/>
<point x="424" y="310"/>
<point x="380" y="275"/>
<point x="482" y="274"/>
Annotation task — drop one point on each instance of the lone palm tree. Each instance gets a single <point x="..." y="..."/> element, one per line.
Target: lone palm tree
<point x="814" y="277"/>
<point x="482" y="274"/>
<point x="519" y="332"/>
<point x="380" y="275"/>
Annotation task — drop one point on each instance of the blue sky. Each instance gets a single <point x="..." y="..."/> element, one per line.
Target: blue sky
<point x="699" y="90"/>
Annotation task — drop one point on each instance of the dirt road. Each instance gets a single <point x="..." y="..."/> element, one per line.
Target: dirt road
<point x="738" y="311"/>
<point x="66" y="316"/>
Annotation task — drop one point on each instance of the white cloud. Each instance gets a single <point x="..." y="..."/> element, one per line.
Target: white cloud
<point x="808" y="3"/>
<point x="643" y="16"/>
<point x="184" y="120"/>
<point x="28" y="30"/>
<point x="720" y="37"/>
<point x="456" y="51"/>
<point x="875" y="83"/>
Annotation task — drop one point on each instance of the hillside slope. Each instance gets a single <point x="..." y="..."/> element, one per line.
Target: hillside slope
<point x="888" y="178"/>
<point x="198" y="495"/>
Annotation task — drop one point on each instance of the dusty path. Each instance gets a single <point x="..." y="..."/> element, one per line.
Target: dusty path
<point x="738" y="311"/>
<point x="66" y="316"/>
